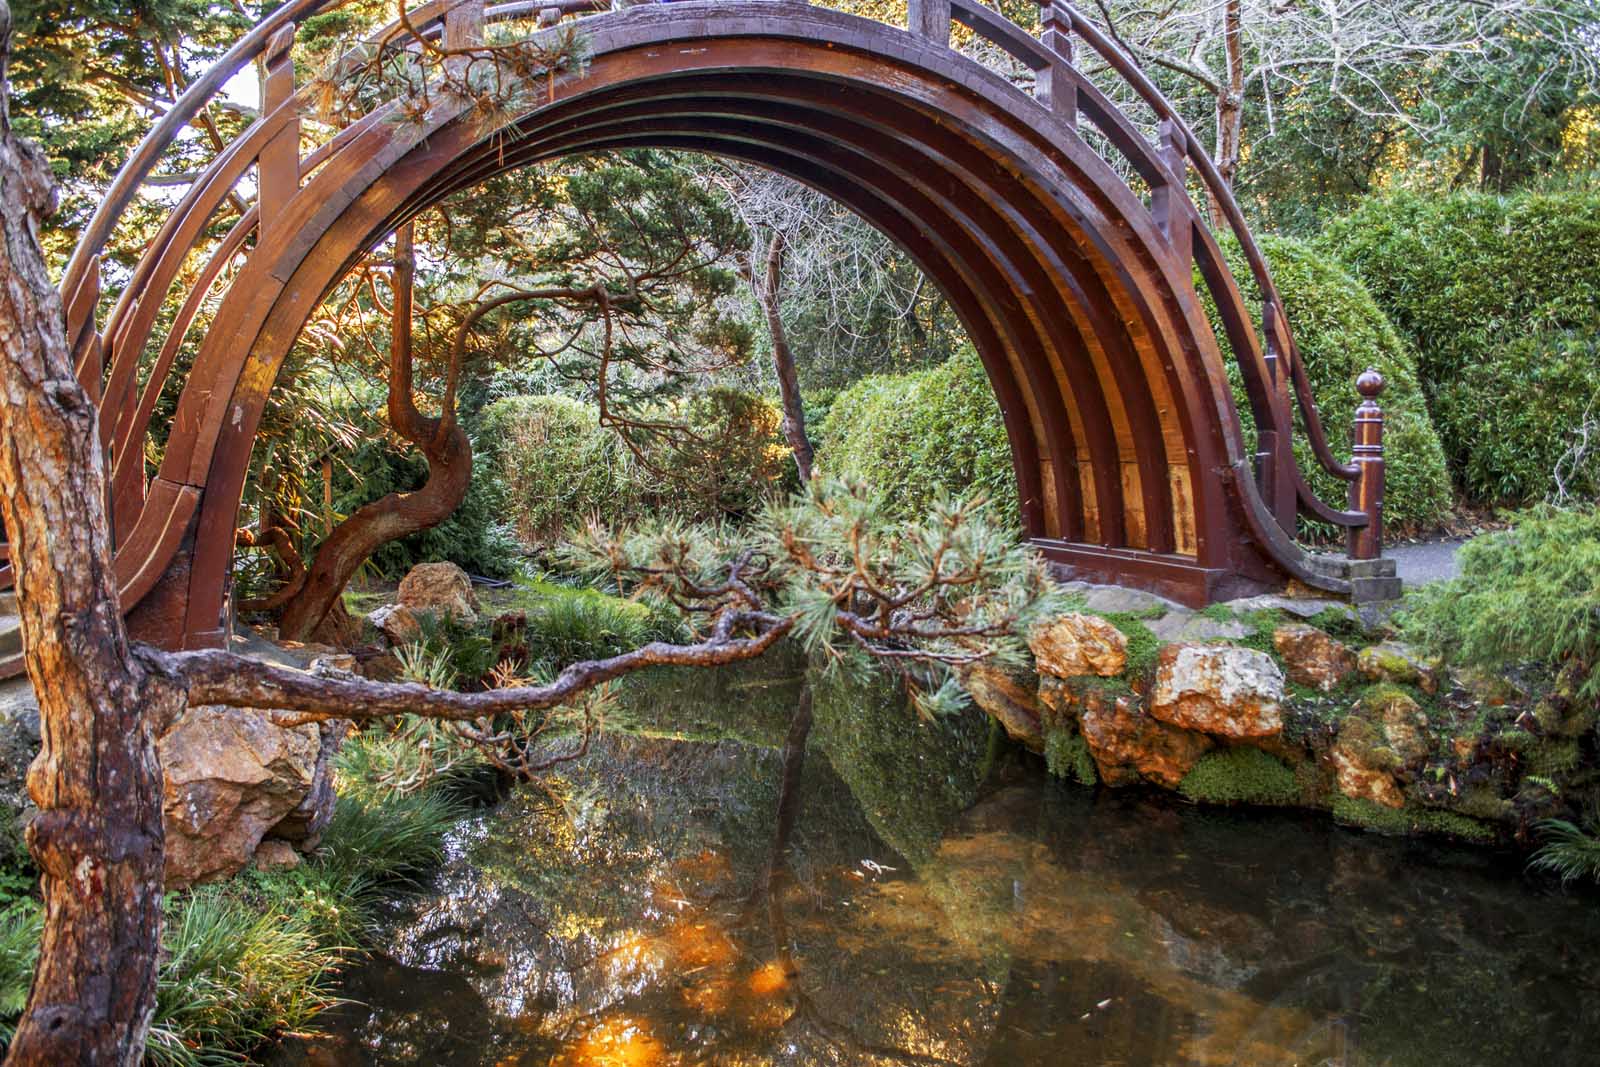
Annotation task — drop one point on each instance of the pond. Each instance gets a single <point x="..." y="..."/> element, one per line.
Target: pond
<point x="935" y="910"/>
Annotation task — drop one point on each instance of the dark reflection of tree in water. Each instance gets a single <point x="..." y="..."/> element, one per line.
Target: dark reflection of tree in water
<point x="816" y="887"/>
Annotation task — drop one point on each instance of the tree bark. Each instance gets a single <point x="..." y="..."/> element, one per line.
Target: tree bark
<point x="442" y="441"/>
<point x="768" y="292"/>
<point x="97" y="837"/>
<point x="1230" y="104"/>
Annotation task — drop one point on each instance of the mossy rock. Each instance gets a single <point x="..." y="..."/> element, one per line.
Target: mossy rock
<point x="1241" y="776"/>
<point x="1066" y="755"/>
<point x="1409" y="821"/>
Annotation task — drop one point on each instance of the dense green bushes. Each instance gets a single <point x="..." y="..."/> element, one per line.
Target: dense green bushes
<point x="1527" y="594"/>
<point x="1500" y="296"/>
<point x="557" y="466"/>
<point x="1340" y="332"/>
<point x="1517" y="414"/>
<point x="914" y="437"/>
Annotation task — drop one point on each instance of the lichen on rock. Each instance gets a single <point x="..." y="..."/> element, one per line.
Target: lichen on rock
<point x="1313" y="658"/>
<point x="1225" y="691"/>
<point x="1076" y="644"/>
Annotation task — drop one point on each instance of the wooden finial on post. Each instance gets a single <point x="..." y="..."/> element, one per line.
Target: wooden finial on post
<point x="1366" y="492"/>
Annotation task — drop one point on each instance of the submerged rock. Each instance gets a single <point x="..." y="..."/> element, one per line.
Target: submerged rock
<point x="1314" y="659"/>
<point x="1222" y="690"/>
<point x="441" y="589"/>
<point x="1076" y="644"/>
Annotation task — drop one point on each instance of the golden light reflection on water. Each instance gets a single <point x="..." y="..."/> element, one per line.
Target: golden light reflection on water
<point x="620" y="1041"/>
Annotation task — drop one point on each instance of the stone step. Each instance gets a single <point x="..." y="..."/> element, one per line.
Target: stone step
<point x="10" y="636"/>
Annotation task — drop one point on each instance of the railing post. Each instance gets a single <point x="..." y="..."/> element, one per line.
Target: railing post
<point x="278" y="167"/>
<point x="1170" y="200"/>
<point x="1366" y="492"/>
<point x="463" y="26"/>
<point x="930" y="19"/>
<point x="1056" y="88"/>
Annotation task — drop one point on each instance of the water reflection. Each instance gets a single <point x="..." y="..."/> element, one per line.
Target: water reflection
<point x="640" y="920"/>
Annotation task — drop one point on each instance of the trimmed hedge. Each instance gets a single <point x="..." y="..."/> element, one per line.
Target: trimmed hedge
<point x="1340" y="332"/>
<point x="1519" y="412"/>
<point x="1468" y="277"/>
<point x="916" y="436"/>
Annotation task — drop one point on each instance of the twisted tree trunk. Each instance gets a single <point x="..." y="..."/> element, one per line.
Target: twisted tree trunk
<point x="97" y="838"/>
<point x="317" y="608"/>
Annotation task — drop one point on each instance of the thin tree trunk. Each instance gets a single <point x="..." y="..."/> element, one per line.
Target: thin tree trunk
<point x="97" y="837"/>
<point x="442" y="441"/>
<point x="768" y="293"/>
<point x="1230" y="104"/>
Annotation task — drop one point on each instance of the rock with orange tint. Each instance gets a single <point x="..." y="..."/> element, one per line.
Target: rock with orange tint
<point x="1223" y="690"/>
<point x="1314" y="658"/>
<point x="1076" y="644"/>
<point x="1128" y="745"/>
<point x="1013" y="701"/>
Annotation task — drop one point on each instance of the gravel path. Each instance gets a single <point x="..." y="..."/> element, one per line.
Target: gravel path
<point x="1429" y="561"/>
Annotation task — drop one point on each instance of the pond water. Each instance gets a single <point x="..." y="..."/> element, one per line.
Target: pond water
<point x="935" y="911"/>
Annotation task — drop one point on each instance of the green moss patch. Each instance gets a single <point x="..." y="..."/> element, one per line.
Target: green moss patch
<point x="1240" y="776"/>
<point x="1370" y="816"/>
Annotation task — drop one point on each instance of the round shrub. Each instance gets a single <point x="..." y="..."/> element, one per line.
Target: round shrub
<point x="731" y="461"/>
<point x="1519" y="413"/>
<point x="1341" y="332"/>
<point x="916" y="436"/>
<point x="1461" y="273"/>
<point x="1464" y="275"/>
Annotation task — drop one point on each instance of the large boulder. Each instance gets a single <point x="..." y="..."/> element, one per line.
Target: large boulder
<point x="1075" y="645"/>
<point x="1013" y="702"/>
<point x="1314" y="658"/>
<point x="440" y="589"/>
<point x="234" y="777"/>
<point x="1128" y="745"/>
<point x="1223" y="690"/>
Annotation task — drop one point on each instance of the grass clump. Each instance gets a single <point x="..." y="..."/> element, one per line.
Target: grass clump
<point x="1066" y="755"/>
<point x="1569" y="851"/>
<point x="1240" y="776"/>
<point x="255" y="956"/>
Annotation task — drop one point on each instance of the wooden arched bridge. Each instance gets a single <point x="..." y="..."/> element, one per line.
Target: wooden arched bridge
<point x="1065" y="234"/>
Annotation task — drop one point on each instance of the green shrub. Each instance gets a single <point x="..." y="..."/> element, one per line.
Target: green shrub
<point x="918" y="436"/>
<point x="1527" y="594"/>
<point x="1517" y="412"/>
<point x="559" y="466"/>
<point x="1340" y="333"/>
<point x="1568" y="851"/>
<point x="1240" y="776"/>
<point x="1465" y="274"/>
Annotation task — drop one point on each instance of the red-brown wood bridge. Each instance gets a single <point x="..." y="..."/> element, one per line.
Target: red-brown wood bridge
<point x="1065" y="234"/>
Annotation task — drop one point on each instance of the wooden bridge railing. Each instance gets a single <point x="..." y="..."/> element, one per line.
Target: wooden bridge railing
<point x="150" y="514"/>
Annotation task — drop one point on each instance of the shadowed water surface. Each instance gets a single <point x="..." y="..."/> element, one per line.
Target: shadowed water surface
<point x="924" y="919"/>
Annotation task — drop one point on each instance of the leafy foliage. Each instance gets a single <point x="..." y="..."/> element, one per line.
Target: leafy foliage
<point x="1569" y="851"/>
<point x="1519" y="411"/>
<point x="1530" y="593"/>
<point x="916" y="437"/>
<point x="1462" y="275"/>
<point x="1341" y="332"/>
<point x="560" y="467"/>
